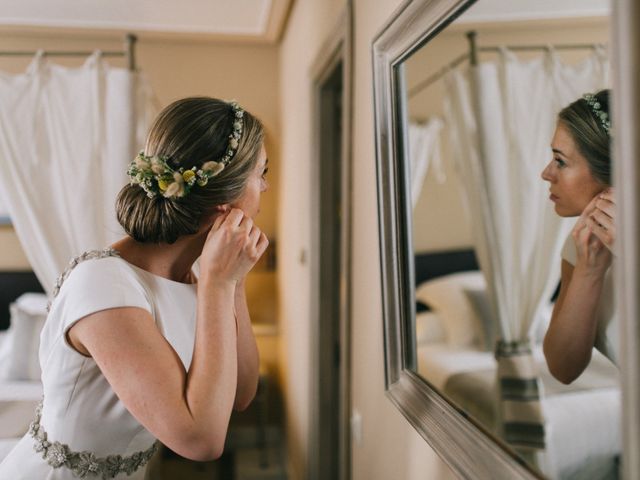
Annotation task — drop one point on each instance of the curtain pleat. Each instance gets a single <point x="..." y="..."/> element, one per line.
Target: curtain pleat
<point x="66" y="138"/>
<point x="424" y="154"/>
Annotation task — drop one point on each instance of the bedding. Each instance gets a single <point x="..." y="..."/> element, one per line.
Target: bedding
<point x="582" y="419"/>
<point x="20" y="385"/>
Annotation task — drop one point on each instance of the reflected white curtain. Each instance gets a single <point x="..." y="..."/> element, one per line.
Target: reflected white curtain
<point x="424" y="154"/>
<point x="66" y="138"/>
<point x="502" y="116"/>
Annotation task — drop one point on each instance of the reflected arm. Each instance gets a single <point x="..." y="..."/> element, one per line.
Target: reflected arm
<point x="569" y="341"/>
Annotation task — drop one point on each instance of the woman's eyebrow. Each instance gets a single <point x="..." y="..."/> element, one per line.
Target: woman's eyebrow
<point x="555" y="150"/>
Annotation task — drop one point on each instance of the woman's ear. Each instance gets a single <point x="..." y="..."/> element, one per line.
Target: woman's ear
<point x="210" y="216"/>
<point x="224" y="208"/>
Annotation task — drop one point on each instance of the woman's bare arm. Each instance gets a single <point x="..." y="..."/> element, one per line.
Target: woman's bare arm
<point x="248" y="357"/>
<point x="568" y="343"/>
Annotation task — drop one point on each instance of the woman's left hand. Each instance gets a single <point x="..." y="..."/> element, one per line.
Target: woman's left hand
<point x="602" y="219"/>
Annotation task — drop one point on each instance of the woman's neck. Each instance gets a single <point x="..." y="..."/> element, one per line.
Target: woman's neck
<point x="173" y="261"/>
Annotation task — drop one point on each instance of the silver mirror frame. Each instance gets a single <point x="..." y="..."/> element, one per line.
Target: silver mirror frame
<point x="626" y="169"/>
<point x="463" y="444"/>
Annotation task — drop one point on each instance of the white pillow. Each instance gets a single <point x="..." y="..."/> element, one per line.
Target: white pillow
<point x="429" y="328"/>
<point x="21" y="343"/>
<point x="446" y="297"/>
<point x="479" y="299"/>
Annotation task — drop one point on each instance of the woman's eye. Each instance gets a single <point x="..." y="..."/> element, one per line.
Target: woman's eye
<point x="559" y="162"/>
<point x="265" y="172"/>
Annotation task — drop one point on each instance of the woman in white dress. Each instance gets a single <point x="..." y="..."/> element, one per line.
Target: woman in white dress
<point x="580" y="185"/>
<point x="135" y="347"/>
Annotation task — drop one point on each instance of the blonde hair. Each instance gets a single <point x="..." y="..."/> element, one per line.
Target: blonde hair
<point x="190" y="132"/>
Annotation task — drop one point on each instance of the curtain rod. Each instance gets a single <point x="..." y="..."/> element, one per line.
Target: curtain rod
<point x="473" y="57"/>
<point x="128" y="52"/>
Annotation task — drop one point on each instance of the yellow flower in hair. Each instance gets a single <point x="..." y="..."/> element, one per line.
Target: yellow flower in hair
<point x="188" y="176"/>
<point x="162" y="185"/>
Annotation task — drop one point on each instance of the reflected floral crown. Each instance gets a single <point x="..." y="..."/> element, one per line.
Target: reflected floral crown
<point x="156" y="177"/>
<point x="596" y="108"/>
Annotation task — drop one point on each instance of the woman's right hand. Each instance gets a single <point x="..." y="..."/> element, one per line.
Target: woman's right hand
<point x="593" y="256"/>
<point x="233" y="246"/>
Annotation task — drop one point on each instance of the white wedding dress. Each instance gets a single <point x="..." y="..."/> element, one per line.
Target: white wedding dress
<point x="85" y="430"/>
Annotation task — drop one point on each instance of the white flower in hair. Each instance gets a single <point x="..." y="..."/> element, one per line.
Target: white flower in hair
<point x="174" y="190"/>
<point x="211" y="169"/>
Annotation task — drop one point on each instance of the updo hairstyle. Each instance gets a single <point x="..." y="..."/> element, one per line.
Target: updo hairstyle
<point x="591" y="137"/>
<point x="190" y="132"/>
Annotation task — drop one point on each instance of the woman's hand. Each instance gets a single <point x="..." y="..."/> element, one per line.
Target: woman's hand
<point x="233" y="246"/>
<point x="602" y="218"/>
<point x="592" y="256"/>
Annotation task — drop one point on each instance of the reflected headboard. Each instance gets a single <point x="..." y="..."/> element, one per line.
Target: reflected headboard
<point x="436" y="264"/>
<point x="12" y="285"/>
<point x="430" y="265"/>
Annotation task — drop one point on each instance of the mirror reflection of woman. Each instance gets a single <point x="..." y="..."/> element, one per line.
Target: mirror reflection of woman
<point x="579" y="177"/>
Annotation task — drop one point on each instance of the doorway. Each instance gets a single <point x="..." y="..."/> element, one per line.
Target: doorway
<point x="329" y="447"/>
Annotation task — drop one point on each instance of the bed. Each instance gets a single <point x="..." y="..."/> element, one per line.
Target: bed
<point x="22" y="314"/>
<point x="455" y="354"/>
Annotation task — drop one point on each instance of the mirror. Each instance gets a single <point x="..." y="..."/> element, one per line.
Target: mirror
<point x="440" y="319"/>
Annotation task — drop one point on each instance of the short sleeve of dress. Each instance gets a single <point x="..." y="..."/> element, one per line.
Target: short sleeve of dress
<point x="96" y="285"/>
<point x="569" y="252"/>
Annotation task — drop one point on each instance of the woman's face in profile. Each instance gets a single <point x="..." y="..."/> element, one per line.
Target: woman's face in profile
<point x="249" y="202"/>
<point x="572" y="186"/>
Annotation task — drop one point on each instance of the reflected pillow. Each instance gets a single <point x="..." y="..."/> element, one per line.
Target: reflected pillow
<point x="446" y="297"/>
<point x="429" y="328"/>
<point x="479" y="299"/>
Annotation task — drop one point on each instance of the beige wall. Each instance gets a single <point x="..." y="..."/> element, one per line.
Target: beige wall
<point x="390" y="447"/>
<point x="440" y="219"/>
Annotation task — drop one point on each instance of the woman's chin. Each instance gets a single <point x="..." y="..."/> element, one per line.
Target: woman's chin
<point x="565" y="212"/>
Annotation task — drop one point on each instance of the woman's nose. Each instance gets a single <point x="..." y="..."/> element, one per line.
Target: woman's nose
<point x="546" y="173"/>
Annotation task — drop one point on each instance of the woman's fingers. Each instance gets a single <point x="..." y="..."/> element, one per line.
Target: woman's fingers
<point x="263" y="243"/>
<point x="606" y="235"/>
<point x="600" y="220"/>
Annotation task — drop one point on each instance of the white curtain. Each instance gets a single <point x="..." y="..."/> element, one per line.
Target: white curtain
<point x="424" y="154"/>
<point x="502" y="117"/>
<point x="66" y="138"/>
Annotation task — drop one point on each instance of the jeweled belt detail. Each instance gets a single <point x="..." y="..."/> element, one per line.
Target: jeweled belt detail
<point x="84" y="464"/>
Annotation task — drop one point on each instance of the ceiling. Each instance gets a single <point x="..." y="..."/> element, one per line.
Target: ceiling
<point x="260" y="21"/>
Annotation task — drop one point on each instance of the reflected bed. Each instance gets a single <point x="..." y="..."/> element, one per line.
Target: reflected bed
<point x="454" y="354"/>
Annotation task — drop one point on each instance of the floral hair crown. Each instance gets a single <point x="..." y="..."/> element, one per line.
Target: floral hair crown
<point x="155" y="175"/>
<point x="596" y="108"/>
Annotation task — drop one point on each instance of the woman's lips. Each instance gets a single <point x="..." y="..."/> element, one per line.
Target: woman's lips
<point x="552" y="197"/>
